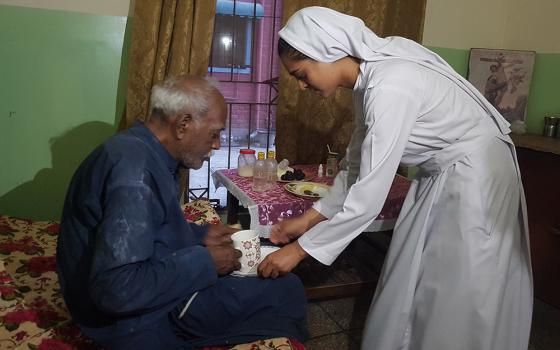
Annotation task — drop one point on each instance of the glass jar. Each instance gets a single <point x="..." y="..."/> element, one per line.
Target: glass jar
<point x="332" y="164"/>
<point x="550" y="126"/>
<point x="245" y="162"/>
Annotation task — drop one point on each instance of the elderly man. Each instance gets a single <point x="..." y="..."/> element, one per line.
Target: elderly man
<point x="136" y="275"/>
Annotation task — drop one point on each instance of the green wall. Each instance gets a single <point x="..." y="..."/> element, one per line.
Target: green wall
<point x="544" y="96"/>
<point x="61" y="95"/>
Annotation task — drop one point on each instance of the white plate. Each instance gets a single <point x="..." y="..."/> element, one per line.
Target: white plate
<point x="265" y="250"/>
<point x="311" y="190"/>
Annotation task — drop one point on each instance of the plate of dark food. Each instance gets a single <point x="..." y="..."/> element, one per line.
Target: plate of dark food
<point x="296" y="175"/>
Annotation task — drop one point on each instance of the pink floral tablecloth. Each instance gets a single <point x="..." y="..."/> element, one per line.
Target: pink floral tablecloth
<point x="277" y="204"/>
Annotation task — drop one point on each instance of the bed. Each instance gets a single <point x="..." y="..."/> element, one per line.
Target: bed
<point x="32" y="311"/>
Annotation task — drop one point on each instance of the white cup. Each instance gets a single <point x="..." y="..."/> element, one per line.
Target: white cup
<point x="248" y="242"/>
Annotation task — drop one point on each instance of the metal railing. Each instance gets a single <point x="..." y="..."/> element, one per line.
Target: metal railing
<point x="261" y="80"/>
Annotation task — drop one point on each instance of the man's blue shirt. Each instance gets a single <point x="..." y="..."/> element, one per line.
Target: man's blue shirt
<point x="125" y="254"/>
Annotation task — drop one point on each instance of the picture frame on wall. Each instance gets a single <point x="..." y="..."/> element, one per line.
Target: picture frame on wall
<point x="504" y="78"/>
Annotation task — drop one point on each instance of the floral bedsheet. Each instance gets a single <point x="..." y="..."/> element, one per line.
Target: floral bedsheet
<point x="32" y="311"/>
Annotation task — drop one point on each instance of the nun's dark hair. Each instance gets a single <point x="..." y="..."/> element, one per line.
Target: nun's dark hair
<point x="289" y="51"/>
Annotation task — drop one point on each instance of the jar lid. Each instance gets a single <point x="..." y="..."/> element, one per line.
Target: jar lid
<point x="247" y="151"/>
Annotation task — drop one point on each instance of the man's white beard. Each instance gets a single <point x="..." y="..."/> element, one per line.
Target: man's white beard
<point x="207" y="157"/>
<point x="189" y="162"/>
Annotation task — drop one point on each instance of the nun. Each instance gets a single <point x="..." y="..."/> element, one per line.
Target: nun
<point x="457" y="274"/>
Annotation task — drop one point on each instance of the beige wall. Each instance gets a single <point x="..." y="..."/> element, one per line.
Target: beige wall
<point x="533" y="25"/>
<point x="460" y="24"/>
<point x="101" y="7"/>
<point x="506" y="24"/>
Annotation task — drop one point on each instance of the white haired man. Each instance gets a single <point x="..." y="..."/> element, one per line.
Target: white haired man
<point x="136" y="275"/>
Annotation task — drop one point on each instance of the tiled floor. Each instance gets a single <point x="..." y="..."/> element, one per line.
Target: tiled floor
<point x="545" y="332"/>
<point x="337" y="324"/>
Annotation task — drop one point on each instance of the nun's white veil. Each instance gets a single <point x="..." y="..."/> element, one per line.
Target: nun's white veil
<point x="326" y="36"/>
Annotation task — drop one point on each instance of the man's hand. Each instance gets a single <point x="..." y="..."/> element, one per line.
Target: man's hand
<point x="226" y="258"/>
<point x="282" y="261"/>
<point x="219" y="234"/>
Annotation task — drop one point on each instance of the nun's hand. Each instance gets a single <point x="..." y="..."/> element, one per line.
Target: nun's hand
<point x="287" y="230"/>
<point x="281" y="261"/>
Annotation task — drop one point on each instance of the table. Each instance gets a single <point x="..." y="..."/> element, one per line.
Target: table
<point x="267" y="208"/>
<point x="355" y="271"/>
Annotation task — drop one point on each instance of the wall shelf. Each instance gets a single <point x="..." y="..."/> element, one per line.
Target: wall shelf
<point x="536" y="142"/>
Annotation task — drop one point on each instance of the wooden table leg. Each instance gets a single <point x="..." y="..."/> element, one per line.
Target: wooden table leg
<point x="232" y="207"/>
<point x="355" y="272"/>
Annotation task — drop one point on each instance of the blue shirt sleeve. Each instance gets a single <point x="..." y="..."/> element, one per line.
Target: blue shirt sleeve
<point x="127" y="277"/>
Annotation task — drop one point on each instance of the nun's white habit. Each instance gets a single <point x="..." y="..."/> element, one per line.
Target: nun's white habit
<point x="457" y="274"/>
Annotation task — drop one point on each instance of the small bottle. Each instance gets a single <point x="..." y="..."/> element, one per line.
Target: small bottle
<point x="271" y="171"/>
<point x="259" y="174"/>
<point x="320" y="171"/>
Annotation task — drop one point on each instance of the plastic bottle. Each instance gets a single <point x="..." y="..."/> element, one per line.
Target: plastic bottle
<point x="320" y="171"/>
<point x="245" y="162"/>
<point x="259" y="174"/>
<point x="271" y="171"/>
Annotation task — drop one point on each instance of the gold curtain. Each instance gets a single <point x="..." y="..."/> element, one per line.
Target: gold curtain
<point x="169" y="38"/>
<point x="306" y="123"/>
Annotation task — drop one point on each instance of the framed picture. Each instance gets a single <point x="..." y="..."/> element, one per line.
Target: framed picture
<point x="504" y="78"/>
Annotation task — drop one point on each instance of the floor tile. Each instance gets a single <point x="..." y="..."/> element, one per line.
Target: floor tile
<point x="338" y="341"/>
<point x="545" y="330"/>
<point x="349" y="313"/>
<point x="356" y="335"/>
<point x="533" y="347"/>
<point x="319" y="322"/>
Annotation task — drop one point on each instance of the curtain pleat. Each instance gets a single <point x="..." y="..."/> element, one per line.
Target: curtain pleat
<point x="169" y="38"/>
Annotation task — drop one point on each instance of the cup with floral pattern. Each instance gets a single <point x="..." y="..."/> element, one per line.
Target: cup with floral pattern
<point x="248" y="242"/>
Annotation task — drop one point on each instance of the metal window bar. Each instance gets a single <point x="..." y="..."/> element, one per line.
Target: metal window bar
<point x="271" y="82"/>
<point x="233" y="42"/>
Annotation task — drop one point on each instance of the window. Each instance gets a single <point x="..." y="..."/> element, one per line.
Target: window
<point x="232" y="44"/>
<point x="245" y="62"/>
